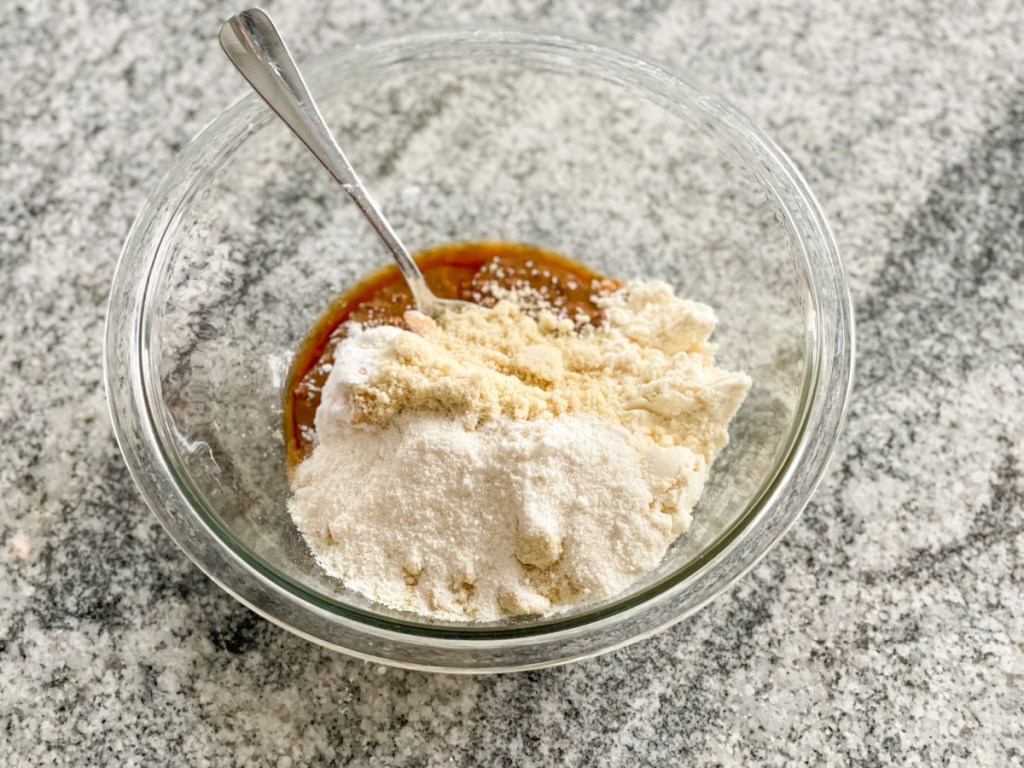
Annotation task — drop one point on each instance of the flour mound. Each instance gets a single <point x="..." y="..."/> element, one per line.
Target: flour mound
<point x="502" y="462"/>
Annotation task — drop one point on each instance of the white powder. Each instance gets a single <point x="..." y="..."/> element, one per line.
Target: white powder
<point x="513" y="517"/>
<point x="454" y="507"/>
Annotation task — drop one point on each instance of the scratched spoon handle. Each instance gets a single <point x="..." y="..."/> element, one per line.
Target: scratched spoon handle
<point x="255" y="47"/>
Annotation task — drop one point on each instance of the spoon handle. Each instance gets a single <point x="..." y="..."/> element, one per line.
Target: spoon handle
<point x="255" y="47"/>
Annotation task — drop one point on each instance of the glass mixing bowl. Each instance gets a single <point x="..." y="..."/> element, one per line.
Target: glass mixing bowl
<point x="469" y="135"/>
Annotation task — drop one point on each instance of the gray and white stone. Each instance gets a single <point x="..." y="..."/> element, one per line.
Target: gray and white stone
<point x="886" y="629"/>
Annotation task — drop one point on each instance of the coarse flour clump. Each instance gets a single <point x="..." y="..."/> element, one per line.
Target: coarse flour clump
<point x="502" y="461"/>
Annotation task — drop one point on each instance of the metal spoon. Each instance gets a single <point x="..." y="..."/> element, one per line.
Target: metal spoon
<point x="255" y="47"/>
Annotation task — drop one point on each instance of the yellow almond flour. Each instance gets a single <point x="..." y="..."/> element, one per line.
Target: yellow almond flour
<point x="648" y="367"/>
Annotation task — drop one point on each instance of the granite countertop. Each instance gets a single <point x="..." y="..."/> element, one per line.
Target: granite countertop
<point x="886" y="629"/>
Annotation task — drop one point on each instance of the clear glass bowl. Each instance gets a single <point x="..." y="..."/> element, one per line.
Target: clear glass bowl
<point x="469" y="135"/>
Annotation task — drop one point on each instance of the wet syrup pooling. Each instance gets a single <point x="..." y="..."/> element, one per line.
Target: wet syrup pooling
<point x="467" y="271"/>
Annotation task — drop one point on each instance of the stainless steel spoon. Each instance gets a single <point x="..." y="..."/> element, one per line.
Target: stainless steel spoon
<point x="255" y="47"/>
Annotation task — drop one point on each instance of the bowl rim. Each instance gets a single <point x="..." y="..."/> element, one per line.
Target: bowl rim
<point x="813" y="432"/>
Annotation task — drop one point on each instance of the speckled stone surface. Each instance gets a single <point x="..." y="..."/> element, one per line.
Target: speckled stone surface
<point x="887" y="628"/>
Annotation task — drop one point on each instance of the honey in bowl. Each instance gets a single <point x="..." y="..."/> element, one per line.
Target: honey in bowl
<point x="467" y="271"/>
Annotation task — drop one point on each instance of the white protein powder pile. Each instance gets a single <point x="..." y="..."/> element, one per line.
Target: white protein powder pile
<point x="505" y="463"/>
